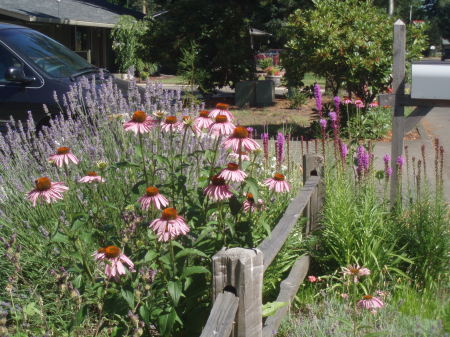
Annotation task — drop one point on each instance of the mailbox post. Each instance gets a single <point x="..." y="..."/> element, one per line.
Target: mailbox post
<point x="429" y="89"/>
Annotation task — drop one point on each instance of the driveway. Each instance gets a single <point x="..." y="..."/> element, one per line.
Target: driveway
<point x="435" y="125"/>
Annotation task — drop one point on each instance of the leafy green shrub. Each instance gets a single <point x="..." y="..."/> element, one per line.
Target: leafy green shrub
<point x="348" y="42"/>
<point x="127" y="36"/>
<point x="297" y="98"/>
<point x="374" y="123"/>
<point x="424" y="231"/>
<point x="265" y="62"/>
<point x="357" y="228"/>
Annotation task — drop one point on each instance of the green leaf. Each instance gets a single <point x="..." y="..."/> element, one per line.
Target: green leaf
<point x="128" y="296"/>
<point x="190" y="251"/>
<point x="252" y="185"/>
<point x="162" y="160"/>
<point x="270" y="308"/>
<point x="30" y="309"/>
<point x="123" y="164"/>
<point x="79" y="318"/>
<point x="166" y="322"/>
<point x="188" y="271"/>
<point x="145" y="313"/>
<point x="175" y="291"/>
<point x="59" y="237"/>
<point x="150" y="255"/>
<point x="77" y="281"/>
<point x="135" y="188"/>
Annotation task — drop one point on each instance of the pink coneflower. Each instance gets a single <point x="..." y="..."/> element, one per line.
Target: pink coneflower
<point x="153" y="197"/>
<point x="218" y="190"/>
<point x="250" y="205"/>
<point x="171" y="124"/>
<point x="347" y="100"/>
<point x="355" y="271"/>
<point x="221" y="126"/>
<point x="221" y="109"/>
<point x="359" y="103"/>
<point x="233" y="173"/>
<point x="63" y="156"/>
<point x="91" y="177"/>
<point x="277" y="183"/>
<point x="374" y="104"/>
<point x="115" y="261"/>
<point x="240" y="140"/>
<point x="188" y="124"/>
<point x="235" y="155"/>
<point x="170" y="225"/>
<point x="203" y="121"/>
<point x="47" y="190"/>
<point x="312" y="279"/>
<point x="139" y="123"/>
<point x="370" y="302"/>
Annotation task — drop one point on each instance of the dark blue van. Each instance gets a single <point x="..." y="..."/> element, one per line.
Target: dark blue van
<point x="32" y="68"/>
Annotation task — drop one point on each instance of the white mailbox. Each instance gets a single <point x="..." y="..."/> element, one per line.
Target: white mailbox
<point x="430" y="80"/>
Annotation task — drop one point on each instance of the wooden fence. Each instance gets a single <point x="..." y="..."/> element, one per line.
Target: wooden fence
<point x="238" y="272"/>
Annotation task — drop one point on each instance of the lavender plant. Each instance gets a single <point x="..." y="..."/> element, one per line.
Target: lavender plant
<point x="130" y="201"/>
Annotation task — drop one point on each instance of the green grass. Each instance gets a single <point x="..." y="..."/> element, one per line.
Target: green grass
<point x="171" y="80"/>
<point x="329" y="315"/>
<point x="311" y="78"/>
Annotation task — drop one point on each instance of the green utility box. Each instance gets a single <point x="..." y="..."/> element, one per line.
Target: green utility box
<point x="254" y="93"/>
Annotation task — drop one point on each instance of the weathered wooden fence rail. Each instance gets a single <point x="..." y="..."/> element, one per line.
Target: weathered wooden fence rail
<point x="238" y="272"/>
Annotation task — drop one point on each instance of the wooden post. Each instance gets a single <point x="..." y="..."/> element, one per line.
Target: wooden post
<point x="241" y="270"/>
<point x="312" y="165"/>
<point x="398" y="113"/>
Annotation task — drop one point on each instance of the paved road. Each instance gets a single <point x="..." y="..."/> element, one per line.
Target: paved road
<point x="435" y="125"/>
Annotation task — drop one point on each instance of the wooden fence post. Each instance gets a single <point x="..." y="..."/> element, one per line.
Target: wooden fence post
<point x="398" y="114"/>
<point x="313" y="166"/>
<point x="241" y="271"/>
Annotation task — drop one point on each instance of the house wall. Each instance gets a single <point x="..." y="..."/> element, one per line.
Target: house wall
<point x="92" y="43"/>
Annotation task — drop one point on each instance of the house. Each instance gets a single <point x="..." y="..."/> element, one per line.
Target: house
<point x="82" y="25"/>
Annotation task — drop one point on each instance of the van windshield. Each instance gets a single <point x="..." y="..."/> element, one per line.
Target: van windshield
<point x="50" y="56"/>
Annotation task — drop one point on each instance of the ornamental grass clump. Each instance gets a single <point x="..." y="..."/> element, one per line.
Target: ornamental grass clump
<point x="155" y="188"/>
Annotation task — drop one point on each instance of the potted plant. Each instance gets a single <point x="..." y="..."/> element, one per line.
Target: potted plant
<point x="273" y="74"/>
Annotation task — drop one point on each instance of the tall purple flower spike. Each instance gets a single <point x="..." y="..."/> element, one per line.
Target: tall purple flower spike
<point x="280" y="147"/>
<point x="318" y="98"/>
<point x="337" y="104"/>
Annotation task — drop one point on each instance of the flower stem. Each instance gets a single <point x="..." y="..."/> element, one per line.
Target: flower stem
<point x="172" y="258"/>
<point x="141" y="143"/>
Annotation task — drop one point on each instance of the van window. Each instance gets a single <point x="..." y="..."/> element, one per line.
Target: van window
<point x="50" y="56"/>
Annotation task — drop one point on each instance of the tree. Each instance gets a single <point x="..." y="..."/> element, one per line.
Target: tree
<point x="127" y="38"/>
<point x="220" y="29"/>
<point x="348" y="42"/>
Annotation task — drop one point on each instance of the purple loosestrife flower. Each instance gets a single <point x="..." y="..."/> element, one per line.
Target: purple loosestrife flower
<point x="318" y="98"/>
<point x="337" y="104"/>
<point x="280" y="148"/>
<point x="344" y="151"/>
<point x="333" y="116"/>
<point x="265" y="140"/>
<point x="387" y="168"/>
<point x="400" y="162"/>
<point x="363" y="161"/>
